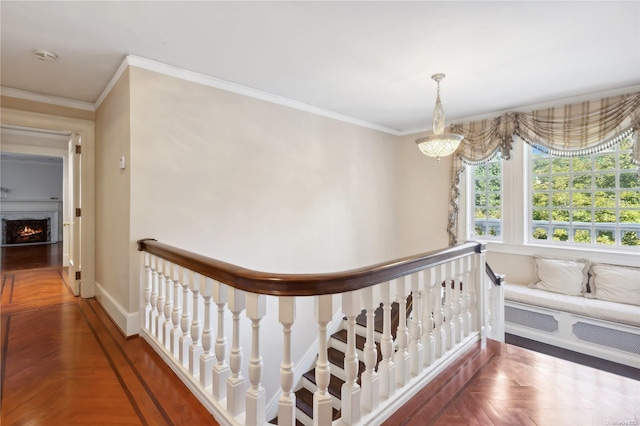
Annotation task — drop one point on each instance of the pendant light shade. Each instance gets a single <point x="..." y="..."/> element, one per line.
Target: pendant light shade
<point x="440" y="144"/>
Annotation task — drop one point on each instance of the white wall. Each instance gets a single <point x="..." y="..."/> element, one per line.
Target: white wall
<point x="32" y="180"/>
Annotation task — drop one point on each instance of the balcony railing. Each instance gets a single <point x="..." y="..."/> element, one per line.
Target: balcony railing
<point x="193" y="305"/>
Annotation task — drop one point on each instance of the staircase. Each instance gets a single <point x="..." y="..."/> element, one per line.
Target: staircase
<point x="337" y="348"/>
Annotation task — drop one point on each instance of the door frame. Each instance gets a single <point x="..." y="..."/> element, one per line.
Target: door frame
<point x="86" y="130"/>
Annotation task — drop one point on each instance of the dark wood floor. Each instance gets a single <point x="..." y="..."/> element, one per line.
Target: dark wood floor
<point x="30" y="256"/>
<point x="65" y="362"/>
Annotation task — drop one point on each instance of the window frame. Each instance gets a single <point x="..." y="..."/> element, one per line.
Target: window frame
<point x="516" y="193"/>
<point x="472" y="203"/>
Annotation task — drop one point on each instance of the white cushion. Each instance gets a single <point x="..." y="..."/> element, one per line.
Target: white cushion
<point x="591" y="308"/>
<point x="615" y="283"/>
<point x="561" y="275"/>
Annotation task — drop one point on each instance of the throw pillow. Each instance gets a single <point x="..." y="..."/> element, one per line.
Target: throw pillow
<point x="561" y="275"/>
<point x="615" y="283"/>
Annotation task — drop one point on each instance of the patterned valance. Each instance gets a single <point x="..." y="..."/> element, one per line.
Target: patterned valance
<point x="570" y="130"/>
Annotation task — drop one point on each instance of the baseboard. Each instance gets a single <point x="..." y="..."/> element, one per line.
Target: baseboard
<point x="128" y="323"/>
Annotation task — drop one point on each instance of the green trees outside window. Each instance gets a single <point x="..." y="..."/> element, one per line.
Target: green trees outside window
<point x="488" y="198"/>
<point x="592" y="199"/>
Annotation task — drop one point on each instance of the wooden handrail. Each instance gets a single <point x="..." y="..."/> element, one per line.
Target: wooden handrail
<point x="305" y="284"/>
<point x="496" y="279"/>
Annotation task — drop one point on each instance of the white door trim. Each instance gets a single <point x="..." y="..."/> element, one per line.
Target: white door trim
<point x="86" y="130"/>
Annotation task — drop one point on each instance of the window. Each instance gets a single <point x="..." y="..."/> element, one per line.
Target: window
<point x="487" y="193"/>
<point x="592" y="200"/>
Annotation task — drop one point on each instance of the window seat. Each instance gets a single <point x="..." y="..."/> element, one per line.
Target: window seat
<point x="600" y="328"/>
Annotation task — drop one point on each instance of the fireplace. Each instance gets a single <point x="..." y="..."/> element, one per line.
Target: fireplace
<point x="26" y="231"/>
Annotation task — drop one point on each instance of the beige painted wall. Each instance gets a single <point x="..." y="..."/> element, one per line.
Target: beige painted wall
<point x="34" y="106"/>
<point x="112" y="195"/>
<point x="423" y="191"/>
<point x="518" y="269"/>
<point x="259" y="185"/>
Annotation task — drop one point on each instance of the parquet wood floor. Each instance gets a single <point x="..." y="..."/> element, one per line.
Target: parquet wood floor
<point x="64" y="362"/>
<point x="508" y="385"/>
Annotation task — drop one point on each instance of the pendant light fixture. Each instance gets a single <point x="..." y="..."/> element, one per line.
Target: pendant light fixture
<point x="440" y="144"/>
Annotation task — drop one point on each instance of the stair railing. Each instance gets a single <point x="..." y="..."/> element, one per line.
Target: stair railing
<point x="193" y="307"/>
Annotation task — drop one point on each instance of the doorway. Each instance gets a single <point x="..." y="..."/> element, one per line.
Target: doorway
<point x="78" y="222"/>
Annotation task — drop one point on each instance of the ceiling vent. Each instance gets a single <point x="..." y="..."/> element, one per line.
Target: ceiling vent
<point x="45" y="55"/>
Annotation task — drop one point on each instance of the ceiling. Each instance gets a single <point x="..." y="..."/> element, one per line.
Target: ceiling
<point x="371" y="61"/>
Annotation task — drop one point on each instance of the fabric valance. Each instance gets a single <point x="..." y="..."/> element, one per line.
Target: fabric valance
<point x="571" y="130"/>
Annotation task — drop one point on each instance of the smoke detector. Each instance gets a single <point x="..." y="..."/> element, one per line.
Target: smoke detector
<point x="45" y="55"/>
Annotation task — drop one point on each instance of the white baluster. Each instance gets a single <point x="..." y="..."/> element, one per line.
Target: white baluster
<point x="387" y="368"/>
<point x="154" y="295"/>
<point x="438" y="313"/>
<point x="147" y="289"/>
<point x="350" y="392"/>
<point x="256" y="395"/>
<point x="168" y="305"/>
<point x="185" y="320"/>
<point x="481" y="304"/>
<point x="453" y="320"/>
<point x="195" y="349"/>
<point x="322" y="404"/>
<point x="428" y="341"/>
<point x="235" y="382"/>
<point x="207" y="359"/>
<point x="369" y="379"/>
<point x="287" y="401"/>
<point x="162" y="282"/>
<point x="448" y="311"/>
<point x="402" y="335"/>
<point x="416" y="351"/>
<point x="221" y="369"/>
<point x="176" y="313"/>
<point x="458" y="301"/>
<point x="466" y="296"/>
<point x="476" y="324"/>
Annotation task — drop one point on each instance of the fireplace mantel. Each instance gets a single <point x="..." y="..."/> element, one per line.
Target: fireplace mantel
<point x="35" y="209"/>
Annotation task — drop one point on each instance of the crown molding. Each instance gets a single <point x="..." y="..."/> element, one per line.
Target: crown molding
<point x="194" y="77"/>
<point x="47" y="99"/>
<point x="529" y="108"/>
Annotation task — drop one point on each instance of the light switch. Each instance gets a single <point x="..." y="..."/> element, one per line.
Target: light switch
<point x="123" y="163"/>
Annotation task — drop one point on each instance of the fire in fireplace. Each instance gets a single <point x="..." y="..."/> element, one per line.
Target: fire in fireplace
<point x="26" y="231"/>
